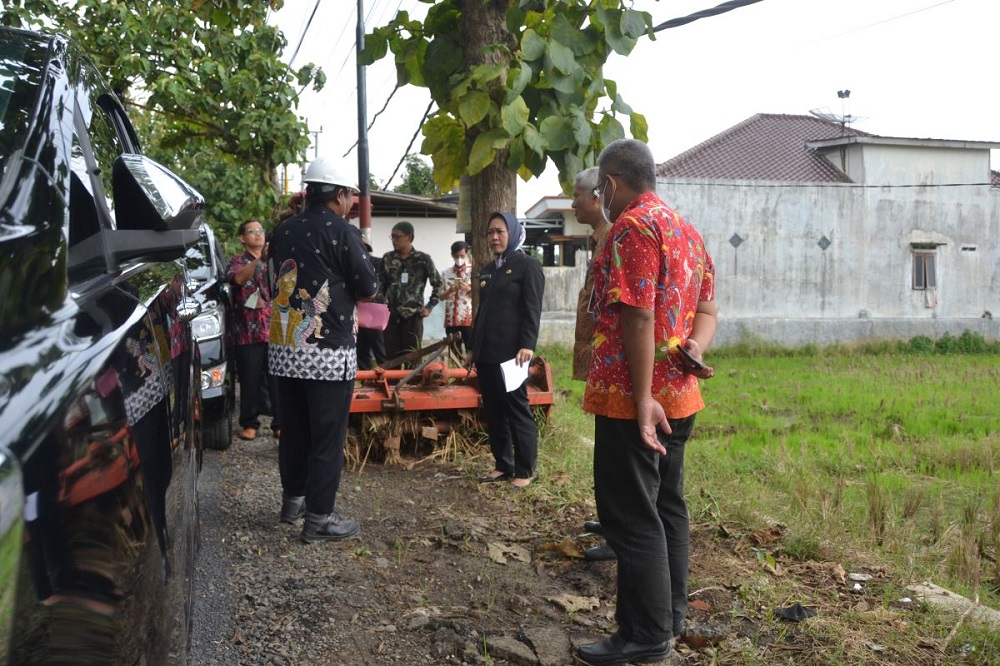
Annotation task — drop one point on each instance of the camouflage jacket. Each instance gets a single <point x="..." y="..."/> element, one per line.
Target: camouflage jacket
<point x="402" y="282"/>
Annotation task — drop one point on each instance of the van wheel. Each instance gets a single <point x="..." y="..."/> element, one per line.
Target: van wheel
<point x="218" y="433"/>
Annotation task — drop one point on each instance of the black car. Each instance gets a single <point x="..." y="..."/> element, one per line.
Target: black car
<point x="99" y="374"/>
<point x="211" y="296"/>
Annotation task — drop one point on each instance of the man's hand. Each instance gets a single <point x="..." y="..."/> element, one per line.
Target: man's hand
<point x="524" y="356"/>
<point x="424" y="312"/>
<point x="650" y="415"/>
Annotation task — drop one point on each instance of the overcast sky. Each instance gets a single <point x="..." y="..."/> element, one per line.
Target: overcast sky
<point x="914" y="68"/>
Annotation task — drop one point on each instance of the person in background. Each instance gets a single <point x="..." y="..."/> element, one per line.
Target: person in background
<point x="322" y="270"/>
<point x="654" y="291"/>
<point x="457" y="294"/>
<point x="506" y="328"/>
<point x="405" y="272"/>
<point x="587" y="207"/>
<point x="248" y="274"/>
<point x="371" y="342"/>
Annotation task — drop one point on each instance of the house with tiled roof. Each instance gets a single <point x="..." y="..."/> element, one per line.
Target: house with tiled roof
<point x="822" y="233"/>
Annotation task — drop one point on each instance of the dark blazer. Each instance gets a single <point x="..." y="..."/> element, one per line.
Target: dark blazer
<point x="510" y="308"/>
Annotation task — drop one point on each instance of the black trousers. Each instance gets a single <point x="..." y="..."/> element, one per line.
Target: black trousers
<point x="403" y="335"/>
<point x="371" y="342"/>
<point x="640" y="503"/>
<point x="258" y="389"/>
<point x="314" y="416"/>
<point x="509" y="422"/>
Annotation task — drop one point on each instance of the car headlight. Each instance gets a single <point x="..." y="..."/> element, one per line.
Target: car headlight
<point x="206" y="326"/>
<point x="213" y="377"/>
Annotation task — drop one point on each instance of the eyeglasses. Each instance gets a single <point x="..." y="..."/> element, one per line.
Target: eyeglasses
<point x="257" y="232"/>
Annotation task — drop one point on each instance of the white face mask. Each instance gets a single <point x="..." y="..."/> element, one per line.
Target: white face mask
<point x="461" y="261"/>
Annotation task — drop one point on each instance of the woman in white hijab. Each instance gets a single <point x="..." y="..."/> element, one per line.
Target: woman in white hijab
<point x="506" y="328"/>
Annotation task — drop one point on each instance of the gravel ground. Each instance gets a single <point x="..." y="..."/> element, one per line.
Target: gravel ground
<point x="445" y="571"/>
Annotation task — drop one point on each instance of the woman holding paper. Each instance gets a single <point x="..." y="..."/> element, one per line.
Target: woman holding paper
<point x="505" y="330"/>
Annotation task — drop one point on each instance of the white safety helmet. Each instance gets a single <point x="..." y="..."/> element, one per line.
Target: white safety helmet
<point x="325" y="171"/>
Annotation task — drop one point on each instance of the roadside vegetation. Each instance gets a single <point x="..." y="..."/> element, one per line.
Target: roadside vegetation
<point x="879" y="457"/>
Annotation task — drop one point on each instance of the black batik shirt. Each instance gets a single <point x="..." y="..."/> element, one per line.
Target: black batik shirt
<point x="319" y="270"/>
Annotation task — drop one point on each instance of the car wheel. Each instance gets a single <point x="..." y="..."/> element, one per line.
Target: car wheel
<point x="218" y="433"/>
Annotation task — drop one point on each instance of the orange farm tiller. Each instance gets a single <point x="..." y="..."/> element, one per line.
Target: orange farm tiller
<point x="433" y="409"/>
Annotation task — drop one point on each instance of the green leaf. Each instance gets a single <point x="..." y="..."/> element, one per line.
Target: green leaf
<point x="580" y="41"/>
<point x="634" y="23"/>
<point x="473" y="107"/>
<point x="639" y="127"/>
<point x="534" y="140"/>
<point x="561" y="58"/>
<point x="486" y="73"/>
<point x="532" y="45"/>
<point x="514" y="116"/>
<point x="558" y="132"/>
<point x="482" y="154"/>
<point x="518" y="82"/>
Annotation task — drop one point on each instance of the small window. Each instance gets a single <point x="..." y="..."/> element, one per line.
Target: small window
<point x="924" y="275"/>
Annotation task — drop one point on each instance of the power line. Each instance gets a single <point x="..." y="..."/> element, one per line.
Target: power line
<point x="302" y="37"/>
<point x="704" y="13"/>
<point x="871" y="25"/>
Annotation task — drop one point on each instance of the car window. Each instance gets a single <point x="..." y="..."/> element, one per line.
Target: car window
<point x="198" y="261"/>
<point x="21" y="70"/>
<point x="92" y="99"/>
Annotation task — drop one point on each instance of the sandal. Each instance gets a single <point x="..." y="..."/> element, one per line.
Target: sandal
<point x="503" y="476"/>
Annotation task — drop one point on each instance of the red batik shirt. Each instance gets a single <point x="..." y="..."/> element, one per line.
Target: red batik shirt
<point x="652" y="259"/>
<point x="250" y="325"/>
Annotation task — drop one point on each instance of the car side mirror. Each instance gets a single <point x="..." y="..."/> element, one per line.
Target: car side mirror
<point x="189" y="308"/>
<point x="156" y="213"/>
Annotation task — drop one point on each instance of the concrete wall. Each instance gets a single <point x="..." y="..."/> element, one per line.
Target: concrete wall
<point x="767" y="238"/>
<point x="780" y="285"/>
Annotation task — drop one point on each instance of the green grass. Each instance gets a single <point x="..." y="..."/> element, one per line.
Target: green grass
<point x="886" y="452"/>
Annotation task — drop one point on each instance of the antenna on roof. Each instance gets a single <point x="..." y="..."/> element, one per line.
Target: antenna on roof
<point x="844" y="119"/>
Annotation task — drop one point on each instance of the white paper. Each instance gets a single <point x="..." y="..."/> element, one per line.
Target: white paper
<point x="513" y="374"/>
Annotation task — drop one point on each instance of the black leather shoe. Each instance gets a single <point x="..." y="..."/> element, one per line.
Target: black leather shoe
<point x="600" y="553"/>
<point x="615" y="650"/>
<point x="593" y="527"/>
<point x="292" y="508"/>
<point x="328" y="527"/>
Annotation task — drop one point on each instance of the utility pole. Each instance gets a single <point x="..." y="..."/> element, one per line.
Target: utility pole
<point x="316" y="134"/>
<point x="364" y="198"/>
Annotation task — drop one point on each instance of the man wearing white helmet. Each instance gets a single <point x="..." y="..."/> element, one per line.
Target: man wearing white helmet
<point x="320" y="270"/>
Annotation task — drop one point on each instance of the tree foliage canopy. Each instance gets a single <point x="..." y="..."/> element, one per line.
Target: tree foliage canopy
<point x="418" y="178"/>
<point x="536" y="95"/>
<point x="205" y="85"/>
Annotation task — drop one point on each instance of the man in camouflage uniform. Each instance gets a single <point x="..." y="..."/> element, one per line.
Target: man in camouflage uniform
<point x="405" y="271"/>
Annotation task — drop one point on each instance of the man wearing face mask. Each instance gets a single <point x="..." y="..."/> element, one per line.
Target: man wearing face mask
<point x="457" y="295"/>
<point x="654" y="291"/>
<point x="321" y="271"/>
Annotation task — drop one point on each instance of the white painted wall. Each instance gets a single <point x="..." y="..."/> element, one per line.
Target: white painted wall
<point x="780" y="273"/>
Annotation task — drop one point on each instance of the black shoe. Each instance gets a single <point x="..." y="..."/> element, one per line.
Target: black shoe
<point x="600" y="553"/>
<point x="292" y="508"/>
<point x="494" y="479"/>
<point x="328" y="527"/>
<point x="593" y="527"/>
<point x="615" y="650"/>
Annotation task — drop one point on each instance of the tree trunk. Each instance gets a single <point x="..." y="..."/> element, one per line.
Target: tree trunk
<point x="483" y="24"/>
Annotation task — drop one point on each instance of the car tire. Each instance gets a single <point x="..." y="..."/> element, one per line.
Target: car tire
<point x="218" y="433"/>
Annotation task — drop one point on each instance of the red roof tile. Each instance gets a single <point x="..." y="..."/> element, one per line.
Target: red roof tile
<point x="767" y="146"/>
